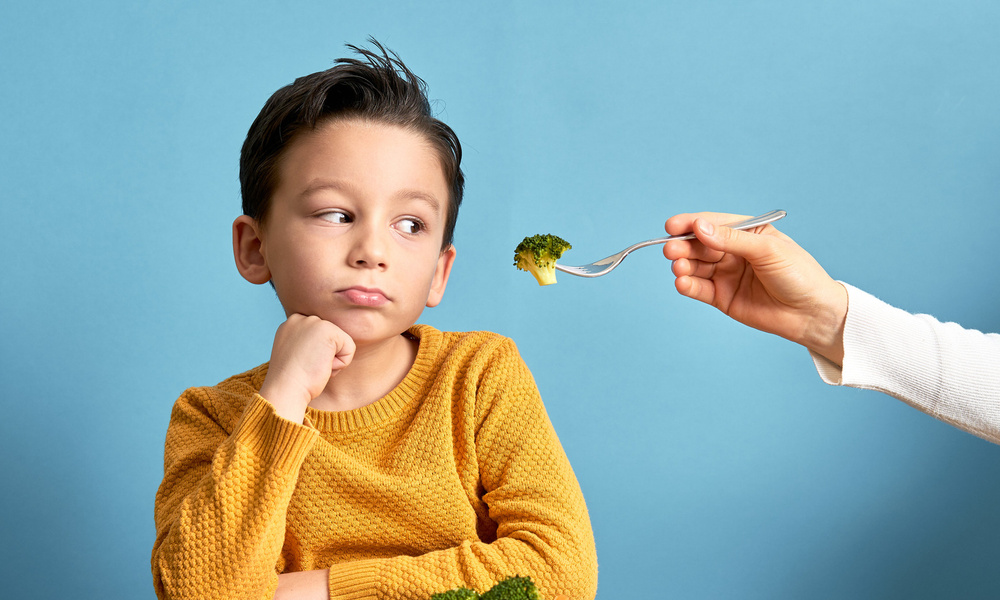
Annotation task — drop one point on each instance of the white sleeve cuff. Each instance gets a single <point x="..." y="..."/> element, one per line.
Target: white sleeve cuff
<point x="942" y="369"/>
<point x="828" y="370"/>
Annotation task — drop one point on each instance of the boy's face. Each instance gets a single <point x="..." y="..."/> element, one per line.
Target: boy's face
<point x="354" y="230"/>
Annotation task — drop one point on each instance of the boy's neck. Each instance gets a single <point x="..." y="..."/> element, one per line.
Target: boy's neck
<point x="375" y="370"/>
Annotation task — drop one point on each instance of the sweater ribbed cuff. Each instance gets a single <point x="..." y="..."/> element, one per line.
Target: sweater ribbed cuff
<point x="354" y="580"/>
<point x="278" y="442"/>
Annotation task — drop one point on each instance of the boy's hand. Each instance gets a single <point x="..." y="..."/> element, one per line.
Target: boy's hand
<point x="307" y="352"/>
<point x="303" y="585"/>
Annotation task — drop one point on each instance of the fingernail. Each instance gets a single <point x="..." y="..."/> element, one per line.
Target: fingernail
<point x="706" y="227"/>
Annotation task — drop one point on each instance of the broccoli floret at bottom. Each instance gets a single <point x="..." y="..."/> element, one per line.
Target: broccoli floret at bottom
<point x="538" y="254"/>
<point x="512" y="588"/>
<point x="457" y="594"/>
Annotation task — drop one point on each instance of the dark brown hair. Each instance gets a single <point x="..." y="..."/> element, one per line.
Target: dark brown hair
<point x="379" y="88"/>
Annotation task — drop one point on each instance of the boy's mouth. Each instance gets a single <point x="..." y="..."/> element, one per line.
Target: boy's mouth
<point x="363" y="296"/>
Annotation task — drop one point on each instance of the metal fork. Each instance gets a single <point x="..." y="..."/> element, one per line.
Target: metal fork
<point x="605" y="265"/>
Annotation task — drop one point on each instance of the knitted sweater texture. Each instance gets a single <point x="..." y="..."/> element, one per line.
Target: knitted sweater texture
<point x="455" y="478"/>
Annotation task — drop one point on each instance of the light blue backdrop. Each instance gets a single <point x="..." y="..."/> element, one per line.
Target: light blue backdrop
<point x="715" y="462"/>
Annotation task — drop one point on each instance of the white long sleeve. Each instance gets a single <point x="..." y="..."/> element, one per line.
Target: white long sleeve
<point x="942" y="369"/>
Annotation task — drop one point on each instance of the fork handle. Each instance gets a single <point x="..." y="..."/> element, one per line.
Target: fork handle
<point x="750" y="223"/>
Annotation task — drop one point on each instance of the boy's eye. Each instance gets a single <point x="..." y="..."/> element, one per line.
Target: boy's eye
<point x="336" y="216"/>
<point x="409" y="226"/>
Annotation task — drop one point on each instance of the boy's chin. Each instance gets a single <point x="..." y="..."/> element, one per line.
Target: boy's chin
<point x="365" y="336"/>
<point x="367" y="328"/>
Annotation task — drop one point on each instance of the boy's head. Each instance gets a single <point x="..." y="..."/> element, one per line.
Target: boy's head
<point x="380" y="89"/>
<point x="350" y="194"/>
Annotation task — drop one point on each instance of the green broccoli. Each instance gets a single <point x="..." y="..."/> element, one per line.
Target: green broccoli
<point x="457" y="594"/>
<point x="513" y="588"/>
<point x="538" y="255"/>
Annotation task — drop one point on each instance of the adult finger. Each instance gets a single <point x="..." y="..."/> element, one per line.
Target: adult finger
<point x="754" y="247"/>
<point x="684" y="222"/>
<point x="696" y="288"/>
<point x="694" y="268"/>
<point x="691" y="249"/>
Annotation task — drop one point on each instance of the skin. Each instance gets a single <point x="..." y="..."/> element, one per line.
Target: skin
<point x="760" y="278"/>
<point x="352" y="243"/>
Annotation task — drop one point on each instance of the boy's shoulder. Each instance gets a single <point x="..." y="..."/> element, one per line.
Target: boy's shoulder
<point x="462" y="342"/>
<point x="470" y="353"/>
<point x="478" y="367"/>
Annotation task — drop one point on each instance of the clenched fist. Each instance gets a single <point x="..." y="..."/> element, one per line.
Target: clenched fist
<point x="307" y="352"/>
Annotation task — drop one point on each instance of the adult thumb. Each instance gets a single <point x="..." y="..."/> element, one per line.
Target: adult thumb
<point x="731" y="241"/>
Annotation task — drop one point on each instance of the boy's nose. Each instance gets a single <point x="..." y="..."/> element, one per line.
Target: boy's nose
<point x="369" y="251"/>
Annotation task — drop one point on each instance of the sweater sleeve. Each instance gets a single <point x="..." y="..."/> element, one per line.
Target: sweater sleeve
<point x="220" y="510"/>
<point x="942" y="369"/>
<point x="543" y="529"/>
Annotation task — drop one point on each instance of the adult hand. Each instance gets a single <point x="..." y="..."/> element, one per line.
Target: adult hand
<point x="760" y="278"/>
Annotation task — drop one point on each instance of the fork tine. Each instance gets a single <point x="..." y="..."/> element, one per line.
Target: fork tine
<point x="591" y="270"/>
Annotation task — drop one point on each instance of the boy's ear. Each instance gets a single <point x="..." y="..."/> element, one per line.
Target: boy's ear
<point x="441" y="273"/>
<point x="247" y="244"/>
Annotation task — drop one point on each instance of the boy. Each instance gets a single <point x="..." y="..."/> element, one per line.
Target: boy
<point x="370" y="457"/>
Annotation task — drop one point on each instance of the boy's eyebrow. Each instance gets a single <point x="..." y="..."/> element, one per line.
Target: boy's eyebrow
<point x="324" y="184"/>
<point x="404" y="194"/>
<point x="429" y="199"/>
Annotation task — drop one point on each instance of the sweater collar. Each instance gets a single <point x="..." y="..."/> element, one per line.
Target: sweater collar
<point x="409" y="388"/>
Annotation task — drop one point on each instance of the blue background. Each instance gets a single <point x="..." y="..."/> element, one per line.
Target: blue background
<point x="715" y="462"/>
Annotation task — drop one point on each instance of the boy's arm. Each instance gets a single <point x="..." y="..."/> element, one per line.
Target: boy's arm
<point x="543" y="529"/>
<point x="220" y="510"/>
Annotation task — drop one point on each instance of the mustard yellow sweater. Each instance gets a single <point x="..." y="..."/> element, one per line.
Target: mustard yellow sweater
<point x="456" y="477"/>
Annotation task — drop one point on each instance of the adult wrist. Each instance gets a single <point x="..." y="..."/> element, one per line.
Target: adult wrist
<point x="825" y="335"/>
